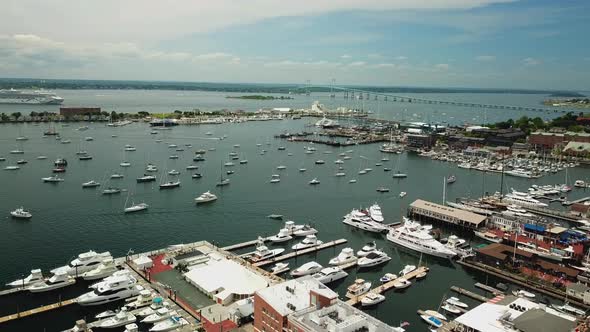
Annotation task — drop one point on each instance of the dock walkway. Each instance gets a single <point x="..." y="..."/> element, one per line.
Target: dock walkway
<point x="36" y="311"/>
<point x="388" y="285"/>
<point x="470" y="294"/>
<point x="300" y="252"/>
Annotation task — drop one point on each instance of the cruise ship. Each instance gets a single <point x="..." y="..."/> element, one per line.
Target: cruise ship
<point x="413" y="236"/>
<point x="13" y="96"/>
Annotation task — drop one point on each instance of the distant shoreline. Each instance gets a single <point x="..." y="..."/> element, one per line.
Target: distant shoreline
<point x="260" y="97"/>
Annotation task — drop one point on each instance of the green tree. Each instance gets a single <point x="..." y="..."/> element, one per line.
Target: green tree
<point x="114" y="116"/>
<point x="16" y="115"/>
<point x="4" y="117"/>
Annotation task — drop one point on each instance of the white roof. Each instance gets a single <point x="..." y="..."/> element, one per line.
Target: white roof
<point x="278" y="297"/>
<point x="227" y="275"/>
<point x="142" y="260"/>
<point x="486" y="316"/>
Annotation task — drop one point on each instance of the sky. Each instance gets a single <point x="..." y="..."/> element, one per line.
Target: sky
<point x="536" y="44"/>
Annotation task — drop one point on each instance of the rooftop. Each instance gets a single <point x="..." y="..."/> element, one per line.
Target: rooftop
<point x="339" y="317"/>
<point x="462" y="215"/>
<point x="293" y="295"/>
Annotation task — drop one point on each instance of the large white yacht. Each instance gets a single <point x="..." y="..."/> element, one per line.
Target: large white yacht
<point x="13" y="96"/>
<point x="115" y="289"/>
<point x="307" y="268"/>
<point x="58" y="280"/>
<point x="205" y="197"/>
<point x="308" y="242"/>
<point x="360" y="220"/>
<point x="104" y="269"/>
<point x="281" y="236"/>
<point x="34" y="277"/>
<point x="375" y="213"/>
<point x="84" y="262"/>
<point x="262" y="252"/>
<point x="375" y="257"/>
<point x="413" y="236"/>
<point x="330" y="274"/>
<point x="522" y="199"/>
<point x="344" y="257"/>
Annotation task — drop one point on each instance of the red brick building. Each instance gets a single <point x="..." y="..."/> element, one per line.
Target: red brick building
<point x="274" y="304"/>
<point x="544" y="140"/>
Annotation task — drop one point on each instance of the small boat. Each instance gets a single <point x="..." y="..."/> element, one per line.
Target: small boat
<point x="229" y="172"/>
<point x="105" y="314"/>
<point x="383" y="190"/>
<point x="172" y="323"/>
<point x="523" y="293"/>
<point x="387" y="277"/>
<point x="81" y="153"/>
<point x="451" y="179"/>
<point x="431" y="320"/>
<point x="275" y="179"/>
<point x="352" y="181"/>
<point x="315" y="181"/>
<point x="122" y="318"/>
<point x="174" y="156"/>
<point x="151" y="168"/>
<point x="173" y="172"/>
<point x="85" y="157"/>
<point x="402" y="283"/>
<point x="281" y="167"/>
<point x="88" y="139"/>
<point x="58" y="280"/>
<point x="198" y="158"/>
<point x="90" y="184"/>
<point x="223" y="182"/>
<point x="308" y="242"/>
<point x="306" y="269"/>
<point x="340" y="174"/>
<point x="205" y="198"/>
<point x="359" y="287"/>
<point x="275" y="216"/>
<point x="435" y="314"/>
<point x="243" y="161"/>
<point x="488" y="236"/>
<point x="372" y="299"/>
<point x="456" y="302"/>
<point x="189" y="167"/>
<point x="21" y="213"/>
<point x="53" y="179"/>
<point x="280" y="268"/>
<point x="320" y="162"/>
<point x="386" y="169"/>
<point x="117" y="176"/>
<point x="399" y="175"/>
<point x="130" y="148"/>
<point x="402" y="194"/>
<point x="11" y="168"/>
<point x="59" y="170"/>
<point x="17" y="152"/>
<point x="22" y="138"/>
<point x="125" y="164"/>
<point x="146" y="178"/>
<point x="451" y="308"/>
<point x="197" y="176"/>
<point x="41" y="157"/>
<point x="407" y="269"/>
<point x="172" y="146"/>
<point x="160" y="315"/>
<point x="136" y="207"/>
<point x="346" y="256"/>
<point x="170" y="185"/>
<point x="35" y="277"/>
<point x="302" y="170"/>
<point x="111" y="191"/>
<point x="281" y="236"/>
<point x="21" y="162"/>
<point x="228" y="164"/>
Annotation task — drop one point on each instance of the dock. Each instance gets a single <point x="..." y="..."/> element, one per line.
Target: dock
<point x="388" y="285"/>
<point x="561" y="215"/>
<point x="469" y="294"/>
<point x="36" y="311"/>
<point x="300" y="252"/>
<point x="581" y="200"/>
<point x="489" y="289"/>
<point x="243" y="245"/>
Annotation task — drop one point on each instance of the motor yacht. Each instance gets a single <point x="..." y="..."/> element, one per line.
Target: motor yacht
<point x="372" y="299"/>
<point x="522" y="199"/>
<point x="456" y="302"/>
<point x="11" y="168"/>
<point x="523" y="293"/>
<point x="315" y="181"/>
<point x="146" y="178"/>
<point x="84" y="262"/>
<point x="383" y="189"/>
<point x="262" y="252"/>
<point x="104" y="269"/>
<point x="170" y="324"/>
<point x="374" y="258"/>
<point x="330" y="274"/>
<point x="21" y="213"/>
<point x="122" y="318"/>
<point x="490" y="237"/>
<point x="90" y="184"/>
<point x="305" y="230"/>
<point x="413" y="236"/>
<point x="21" y="162"/>
<point x="117" y="176"/>
<point x="111" y="191"/>
<point x="53" y="179"/>
<point x="281" y="236"/>
<point x="308" y="242"/>
<point x="35" y="277"/>
<point x="346" y="256"/>
<point x="157" y="303"/>
<point x="375" y="213"/>
<point x="151" y="168"/>
<point x="407" y="269"/>
<point x="160" y="315"/>
<point x="170" y="185"/>
<point x="360" y="220"/>
<point x="144" y="299"/>
<point x="306" y="269"/>
<point x="125" y="164"/>
<point x="114" y="289"/>
<point x="191" y="167"/>
<point x="58" y="280"/>
<point x="205" y="197"/>
<point x="367" y="249"/>
<point x="387" y="277"/>
<point x="401" y="283"/>
<point x="359" y="287"/>
<point x="279" y="268"/>
<point x="173" y="172"/>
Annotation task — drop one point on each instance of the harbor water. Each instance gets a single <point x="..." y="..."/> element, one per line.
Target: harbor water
<point x="68" y="219"/>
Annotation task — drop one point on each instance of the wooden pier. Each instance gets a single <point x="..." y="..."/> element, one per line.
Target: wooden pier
<point x="561" y="215"/>
<point x="581" y="200"/>
<point x="489" y="289"/>
<point x="243" y="244"/>
<point x="388" y="285"/>
<point x="299" y="252"/>
<point x="36" y="311"/>
<point x="469" y="294"/>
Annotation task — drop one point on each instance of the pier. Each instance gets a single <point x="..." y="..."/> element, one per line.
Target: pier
<point x="581" y="200"/>
<point x="243" y="244"/>
<point x="35" y="311"/>
<point x="489" y="289"/>
<point x="300" y="252"/>
<point x="469" y="294"/>
<point x="561" y="215"/>
<point x="388" y="285"/>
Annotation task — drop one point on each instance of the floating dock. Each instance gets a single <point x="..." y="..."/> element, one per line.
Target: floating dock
<point x="489" y="289"/>
<point x="469" y="294"/>
<point x="35" y="311"/>
<point x="300" y="252"/>
<point x="243" y="244"/>
<point x="388" y="285"/>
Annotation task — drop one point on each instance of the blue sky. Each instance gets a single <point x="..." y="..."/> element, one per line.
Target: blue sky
<point x="467" y="43"/>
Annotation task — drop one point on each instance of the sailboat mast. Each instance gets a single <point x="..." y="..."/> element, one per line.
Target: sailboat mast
<point x="444" y="190"/>
<point x="502" y="183"/>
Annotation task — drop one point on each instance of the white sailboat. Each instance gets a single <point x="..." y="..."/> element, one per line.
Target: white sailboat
<point x="134" y="207"/>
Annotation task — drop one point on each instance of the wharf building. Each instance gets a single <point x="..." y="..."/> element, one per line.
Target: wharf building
<point x="424" y="210"/>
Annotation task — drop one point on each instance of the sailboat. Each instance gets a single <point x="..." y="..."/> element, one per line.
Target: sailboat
<point x="222" y="182"/>
<point x="398" y="174"/>
<point x="134" y="207"/>
<point x="169" y="184"/>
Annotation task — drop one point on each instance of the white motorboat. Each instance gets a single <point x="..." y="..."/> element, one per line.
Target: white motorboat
<point x="375" y="213"/>
<point x="490" y="237"/>
<point x="136" y="207"/>
<point x="407" y="269"/>
<point x="281" y="167"/>
<point x="338" y="174"/>
<point x="170" y="185"/>
<point x="399" y="175"/>
<point x="366" y="249"/>
<point x="305" y="230"/>
<point x="125" y="164"/>
<point x="41" y="157"/>
<point x="372" y="299"/>
<point x="387" y="277"/>
<point x="374" y="258"/>
<point x="523" y="293"/>
<point x="156" y="304"/>
<point x="282" y="236"/>
<point x="308" y="242"/>
<point x="53" y="178"/>
<point x="116" y="288"/>
<point x="359" y="287"/>
<point x="431" y="320"/>
<point x="569" y="309"/>
<point x="171" y="323"/>
<point x="330" y="274"/>
<point x="402" y="283"/>
<point x="205" y="197"/>
<point x="456" y="302"/>
<point x="84" y="262"/>
<point x="144" y="299"/>
<point x="130" y="148"/>
<point x="173" y="172"/>
<point x="346" y="256"/>
<point x="451" y="308"/>
<point x="279" y="268"/>
<point x="111" y="191"/>
<point x="105" y="314"/>
<point x="146" y="178"/>
<point x="35" y="277"/>
<point x="315" y="181"/>
<point x="302" y="170"/>
<point x="306" y="269"/>
<point x="413" y="236"/>
<point x="104" y="269"/>
<point x="131" y="328"/>
<point x="122" y="318"/>
<point x="352" y="181"/>
<point x="21" y="213"/>
<point x="90" y="184"/>
<point x="160" y="315"/>
<point x="435" y="314"/>
<point x="275" y="179"/>
<point x="191" y="167"/>
<point x="11" y="168"/>
<point x="151" y="168"/>
<point x="58" y="280"/>
<point x="262" y="252"/>
<point x="115" y="276"/>
<point x="402" y="194"/>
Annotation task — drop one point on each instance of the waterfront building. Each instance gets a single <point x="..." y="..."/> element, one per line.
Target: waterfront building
<point x="274" y="304"/>
<point x="505" y="223"/>
<point x="579" y="292"/>
<point x="421" y="209"/>
<point x="513" y="314"/>
<point x="420" y="141"/>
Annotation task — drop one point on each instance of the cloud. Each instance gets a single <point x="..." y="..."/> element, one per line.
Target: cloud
<point x="345" y="56"/>
<point x="531" y="62"/>
<point x="442" y="66"/>
<point x="485" y="58"/>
